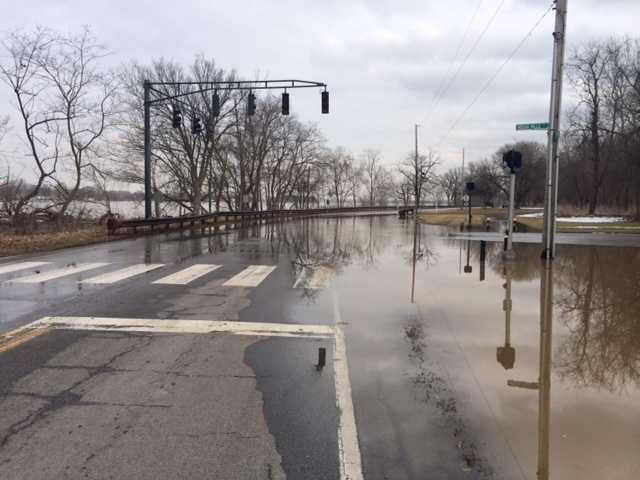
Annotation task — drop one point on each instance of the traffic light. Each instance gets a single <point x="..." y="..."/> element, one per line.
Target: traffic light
<point x="196" y="125"/>
<point x="177" y="117"/>
<point x="285" y="103"/>
<point x="471" y="186"/>
<point x="325" y="102"/>
<point x="215" y="104"/>
<point x="512" y="160"/>
<point x="251" y="104"/>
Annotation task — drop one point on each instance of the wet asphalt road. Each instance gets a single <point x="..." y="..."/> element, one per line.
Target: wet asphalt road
<point x="430" y="398"/>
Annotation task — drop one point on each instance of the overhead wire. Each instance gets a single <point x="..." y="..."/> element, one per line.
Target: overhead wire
<point x="491" y="79"/>
<point x="467" y="57"/>
<point x="458" y="49"/>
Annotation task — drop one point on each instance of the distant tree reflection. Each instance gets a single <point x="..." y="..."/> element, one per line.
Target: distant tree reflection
<point x="599" y="301"/>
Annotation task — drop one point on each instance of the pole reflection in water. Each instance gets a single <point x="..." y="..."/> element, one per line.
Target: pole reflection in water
<point x="506" y="354"/>
<point x="544" y="382"/>
<point x="413" y="272"/>
<point x="483" y="259"/>
<point x="468" y="268"/>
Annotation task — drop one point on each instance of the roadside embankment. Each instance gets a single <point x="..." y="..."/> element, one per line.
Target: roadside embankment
<point x="14" y="244"/>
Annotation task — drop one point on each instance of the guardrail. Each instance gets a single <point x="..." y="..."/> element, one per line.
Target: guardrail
<point x="116" y="226"/>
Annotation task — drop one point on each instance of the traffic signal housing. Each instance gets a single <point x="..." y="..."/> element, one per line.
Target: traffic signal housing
<point x="215" y="104"/>
<point x="196" y="125"/>
<point x="512" y="160"/>
<point x="251" y="104"/>
<point x="285" y="103"/>
<point x="325" y="101"/>
<point x="177" y="117"/>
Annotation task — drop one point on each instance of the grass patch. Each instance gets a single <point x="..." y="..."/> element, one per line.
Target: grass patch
<point x="478" y="216"/>
<point x="12" y="244"/>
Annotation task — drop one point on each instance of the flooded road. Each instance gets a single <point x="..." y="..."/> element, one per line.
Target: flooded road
<point x="496" y="371"/>
<point x="456" y="386"/>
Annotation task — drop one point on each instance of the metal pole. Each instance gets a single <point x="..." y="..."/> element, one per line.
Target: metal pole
<point x="544" y="382"/>
<point x="147" y="151"/>
<point x="551" y="188"/>
<point x="512" y="199"/>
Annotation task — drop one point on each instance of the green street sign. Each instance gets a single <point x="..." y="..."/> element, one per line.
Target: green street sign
<point x="532" y="126"/>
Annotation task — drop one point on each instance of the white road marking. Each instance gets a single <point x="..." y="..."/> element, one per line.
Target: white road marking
<point x="314" y="278"/>
<point x="123" y="273"/>
<point x="187" y="275"/>
<point x="251" y="276"/>
<point x="348" y="447"/>
<point x="14" y="267"/>
<point x="184" y="326"/>
<point x="60" y="272"/>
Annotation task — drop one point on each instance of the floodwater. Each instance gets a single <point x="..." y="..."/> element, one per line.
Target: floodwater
<point x="499" y="370"/>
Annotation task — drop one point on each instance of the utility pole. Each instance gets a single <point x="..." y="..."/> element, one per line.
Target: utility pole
<point x="417" y="187"/>
<point x="462" y="181"/>
<point x="551" y="188"/>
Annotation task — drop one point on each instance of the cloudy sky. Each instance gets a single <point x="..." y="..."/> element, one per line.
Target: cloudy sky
<point x="385" y="61"/>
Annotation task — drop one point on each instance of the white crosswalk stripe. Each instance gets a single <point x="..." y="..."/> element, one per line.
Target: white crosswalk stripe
<point x="251" y="276"/>
<point x="58" y="273"/>
<point x="187" y="275"/>
<point x="14" y="267"/>
<point x="123" y="273"/>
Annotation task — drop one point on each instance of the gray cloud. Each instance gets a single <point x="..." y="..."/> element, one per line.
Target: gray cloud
<point x="383" y="59"/>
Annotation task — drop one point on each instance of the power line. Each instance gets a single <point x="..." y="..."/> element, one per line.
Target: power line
<point x="468" y="55"/>
<point x="455" y="56"/>
<point x="494" y="76"/>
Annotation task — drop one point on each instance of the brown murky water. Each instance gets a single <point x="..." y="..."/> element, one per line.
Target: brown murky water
<point x="500" y="370"/>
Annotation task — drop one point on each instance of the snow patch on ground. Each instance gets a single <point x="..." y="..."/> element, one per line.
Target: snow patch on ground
<point x="577" y="219"/>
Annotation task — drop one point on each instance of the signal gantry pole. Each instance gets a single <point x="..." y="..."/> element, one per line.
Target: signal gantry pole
<point x="198" y="88"/>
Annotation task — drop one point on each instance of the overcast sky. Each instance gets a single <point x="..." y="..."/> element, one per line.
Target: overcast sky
<point x="383" y="60"/>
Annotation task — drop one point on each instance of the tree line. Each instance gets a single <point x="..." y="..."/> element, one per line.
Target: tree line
<point x="81" y="124"/>
<point x="81" y="127"/>
<point x="600" y="143"/>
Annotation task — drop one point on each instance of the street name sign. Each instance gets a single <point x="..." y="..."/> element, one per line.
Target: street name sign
<point x="532" y="126"/>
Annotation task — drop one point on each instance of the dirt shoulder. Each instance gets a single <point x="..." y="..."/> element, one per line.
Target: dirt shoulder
<point x="13" y="244"/>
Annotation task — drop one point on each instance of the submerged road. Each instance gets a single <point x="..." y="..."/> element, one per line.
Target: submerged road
<point x="197" y="356"/>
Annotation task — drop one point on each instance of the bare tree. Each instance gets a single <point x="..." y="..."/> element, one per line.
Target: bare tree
<point x="451" y="184"/>
<point x="375" y="175"/>
<point x="183" y="163"/>
<point x="65" y="103"/>
<point x="419" y="172"/>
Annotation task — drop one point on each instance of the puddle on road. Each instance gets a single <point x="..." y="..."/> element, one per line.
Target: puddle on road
<point x="457" y="385"/>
